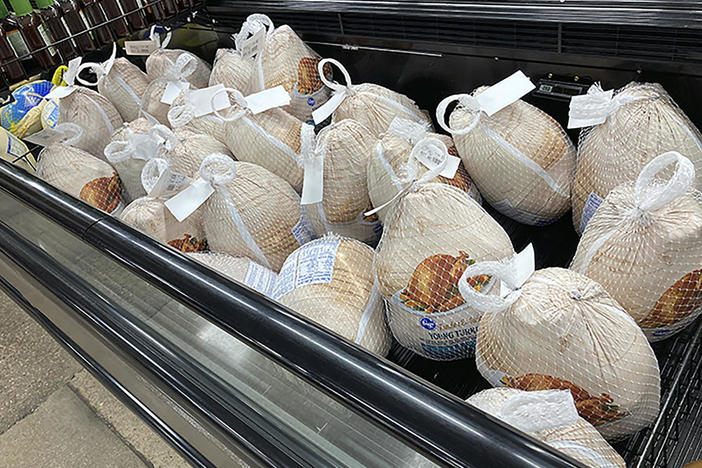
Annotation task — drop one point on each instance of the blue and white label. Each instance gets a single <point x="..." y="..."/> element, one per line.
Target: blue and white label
<point x="50" y="114"/>
<point x="593" y="202"/>
<point x="303" y="231"/>
<point x="260" y="278"/>
<point x="311" y="102"/>
<point x="311" y="264"/>
<point x="427" y="323"/>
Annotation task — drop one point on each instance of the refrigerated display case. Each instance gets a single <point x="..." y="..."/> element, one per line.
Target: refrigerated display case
<point x="229" y="377"/>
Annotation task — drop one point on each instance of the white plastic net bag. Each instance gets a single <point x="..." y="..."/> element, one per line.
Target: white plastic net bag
<point x="561" y="330"/>
<point x="644" y="246"/>
<point x="372" y="105"/>
<point x="342" y="151"/>
<point x="285" y="60"/>
<point x="240" y="269"/>
<point x="272" y="139"/>
<point x="91" y="111"/>
<point x="251" y="212"/>
<point x="519" y="157"/>
<point x="391" y="167"/>
<point x="233" y="70"/>
<point x="80" y="174"/>
<point x="120" y="81"/>
<point x="330" y="281"/>
<point x="162" y="91"/>
<point x="151" y="216"/>
<point x="194" y="110"/>
<point x="551" y="417"/>
<point x="433" y="233"/>
<point x="161" y="61"/>
<point x="642" y="121"/>
<point x="129" y="149"/>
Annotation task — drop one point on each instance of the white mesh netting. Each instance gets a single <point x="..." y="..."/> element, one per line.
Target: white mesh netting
<point x="240" y="269"/>
<point x="80" y="174"/>
<point x="161" y="61"/>
<point x="372" y="105"/>
<point x="561" y="330"/>
<point x="643" y="121"/>
<point x="344" y="148"/>
<point x="252" y="213"/>
<point x="233" y="70"/>
<point x="519" y="157"/>
<point x="433" y="233"/>
<point x="271" y="139"/>
<point x="391" y="169"/>
<point x="551" y="417"/>
<point x="120" y="81"/>
<point x="644" y="246"/>
<point x="330" y="281"/>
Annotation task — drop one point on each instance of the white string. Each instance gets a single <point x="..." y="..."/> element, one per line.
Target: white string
<point x="101" y="70"/>
<point x="336" y="87"/>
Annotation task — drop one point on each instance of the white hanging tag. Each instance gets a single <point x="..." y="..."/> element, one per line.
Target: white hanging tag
<point x="431" y="160"/>
<point x="173" y="89"/>
<point x="186" y="202"/>
<point x="145" y="47"/>
<point x="523" y="266"/>
<point x="208" y="100"/>
<point x="267" y="99"/>
<point x="254" y="45"/>
<point x="168" y="183"/>
<point x="504" y="93"/>
<point x="589" y="109"/>
<point x="325" y="110"/>
<point x="313" y="182"/>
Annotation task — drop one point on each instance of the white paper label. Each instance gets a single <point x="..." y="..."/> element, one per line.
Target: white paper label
<point x="47" y="39"/>
<point x="313" y="264"/>
<point x="253" y="45"/>
<point x="173" y="89"/>
<point x="432" y="159"/>
<point x="303" y="230"/>
<point x="186" y="202"/>
<point x="17" y="43"/>
<point x="589" y="109"/>
<point x="141" y="47"/>
<point x="267" y="99"/>
<point x="168" y="183"/>
<point x="328" y="108"/>
<point x="593" y="202"/>
<point x="504" y="93"/>
<point x="58" y="92"/>
<point x="523" y="266"/>
<point x="208" y="100"/>
<point x="260" y="278"/>
<point x="313" y="183"/>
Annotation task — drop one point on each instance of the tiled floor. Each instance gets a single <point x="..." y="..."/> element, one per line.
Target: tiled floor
<point x="54" y="413"/>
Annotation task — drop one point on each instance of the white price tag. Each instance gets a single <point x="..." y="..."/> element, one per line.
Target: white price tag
<point x="524" y="266"/>
<point x="168" y="183"/>
<point x="267" y="99"/>
<point x="313" y="182"/>
<point x="328" y="108"/>
<point x="173" y="89"/>
<point x="59" y="91"/>
<point x="186" y="202"/>
<point x="431" y="159"/>
<point x="203" y="102"/>
<point x="589" y="109"/>
<point x="254" y="45"/>
<point x="141" y="47"/>
<point x="504" y="93"/>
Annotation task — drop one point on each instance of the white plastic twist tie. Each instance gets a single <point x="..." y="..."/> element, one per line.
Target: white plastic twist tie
<point x="250" y="27"/>
<point x="181" y="114"/>
<point x="238" y="98"/>
<point x="101" y="70"/>
<point x="151" y="172"/>
<point x="155" y="37"/>
<point x="512" y="274"/>
<point x="340" y="91"/>
<point x="465" y="101"/>
<point x="649" y="195"/>
<point x="408" y="129"/>
<point x="217" y="169"/>
<point x="183" y="67"/>
<point x="164" y="136"/>
<point x="430" y="146"/>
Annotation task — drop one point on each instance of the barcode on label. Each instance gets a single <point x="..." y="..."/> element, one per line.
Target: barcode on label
<point x="140" y="47"/>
